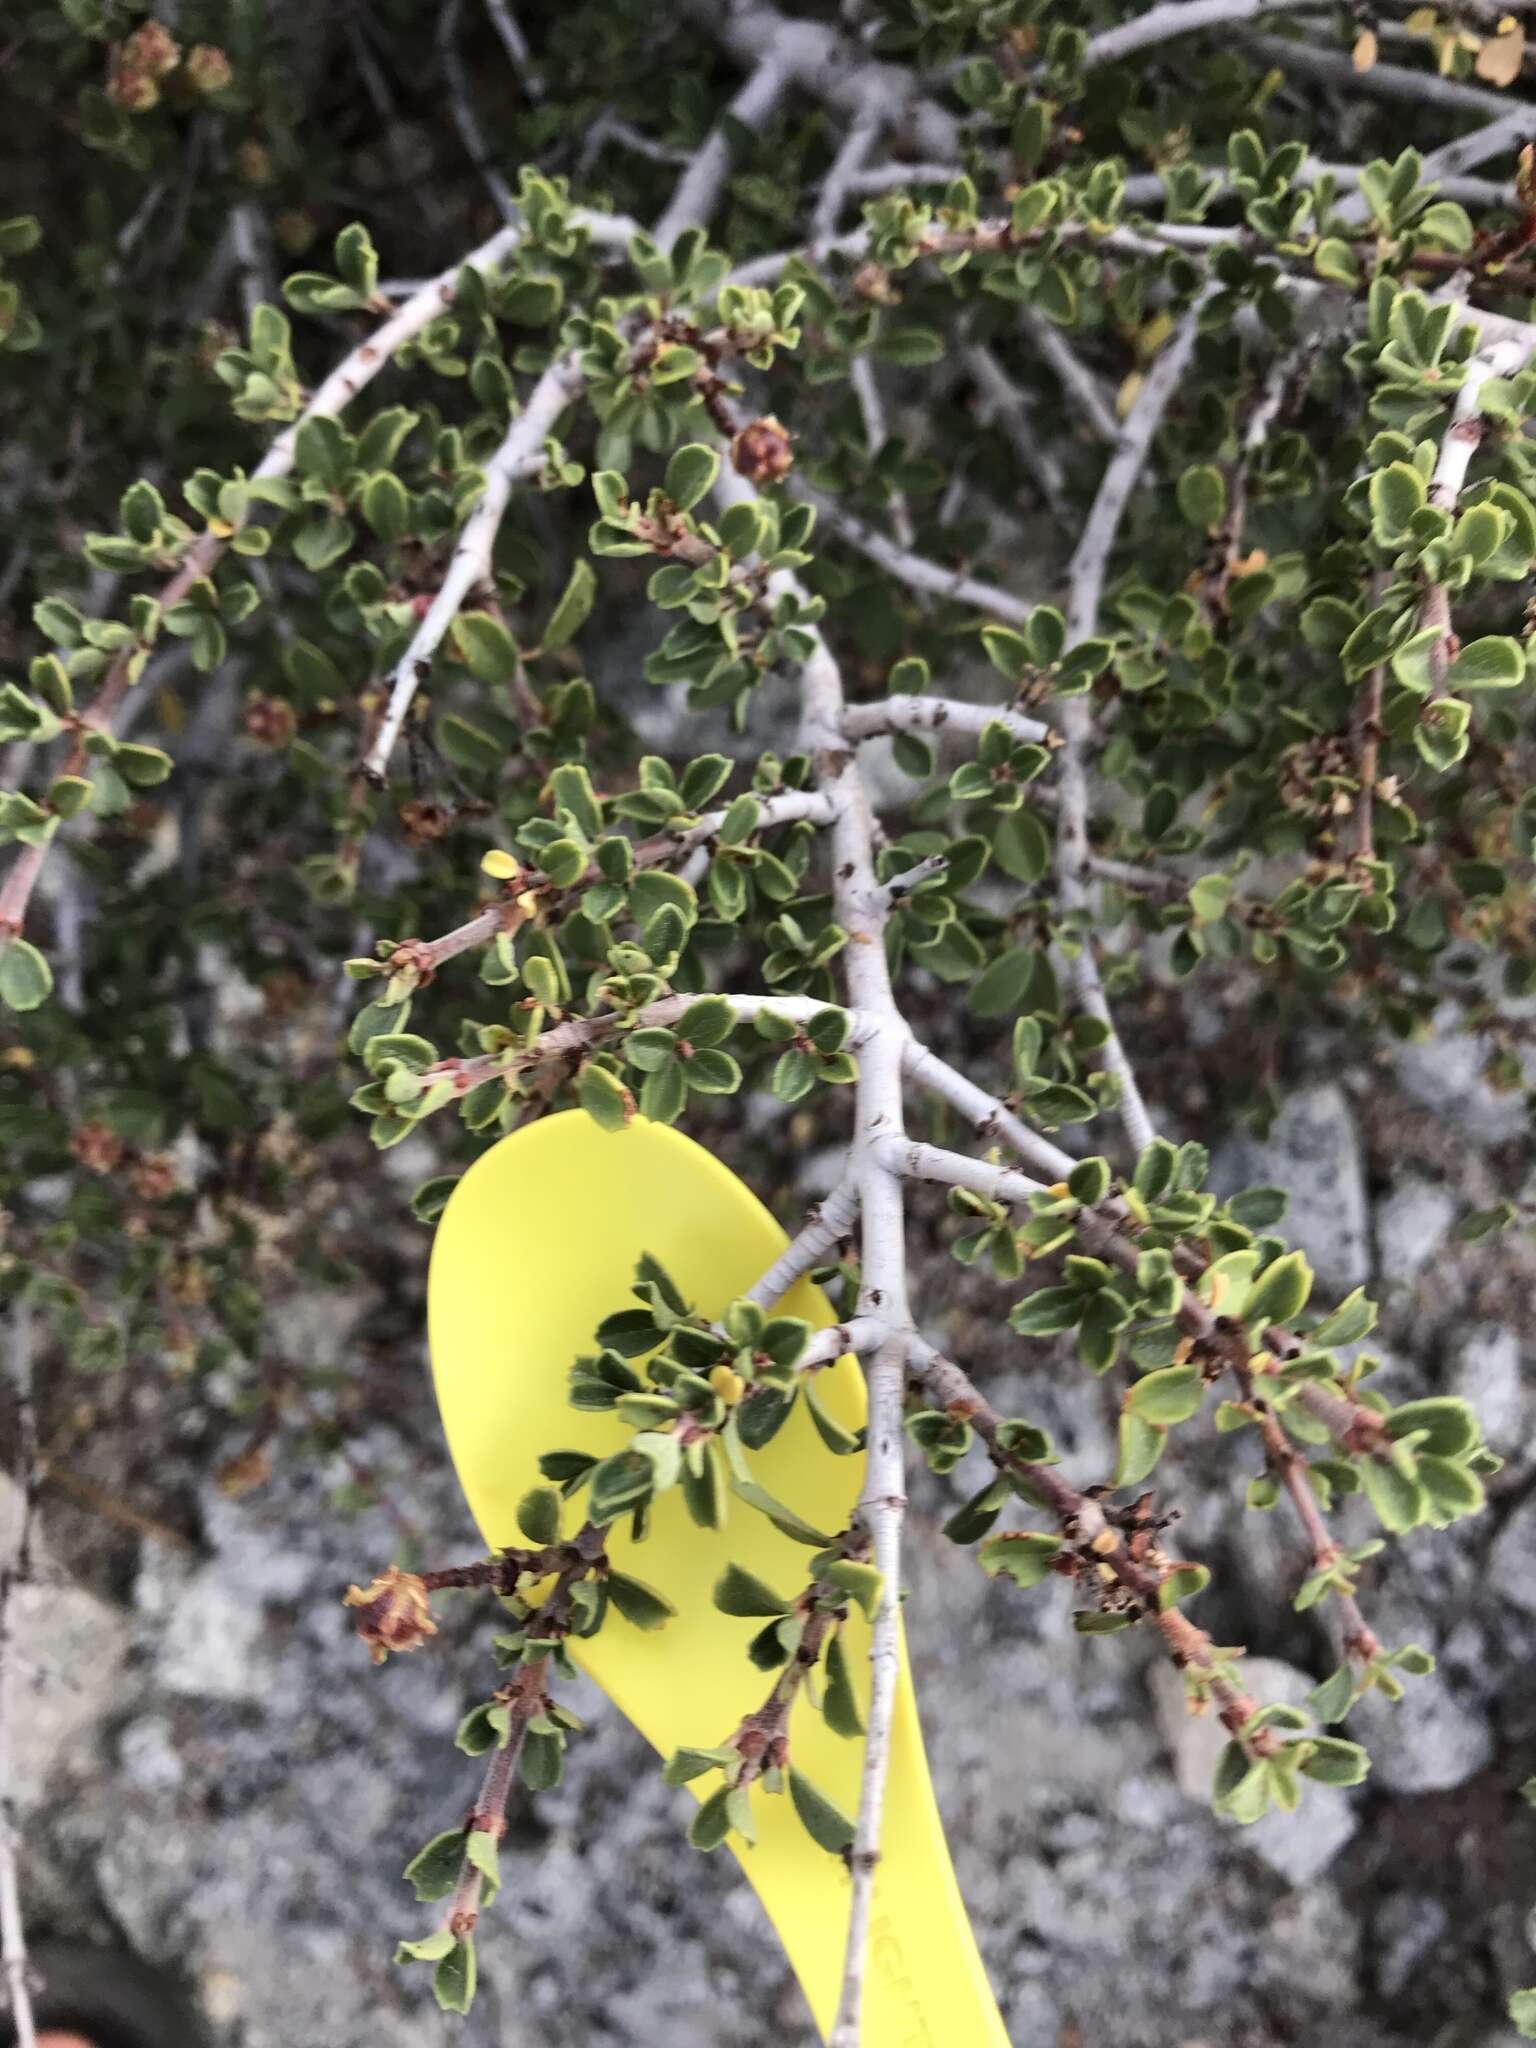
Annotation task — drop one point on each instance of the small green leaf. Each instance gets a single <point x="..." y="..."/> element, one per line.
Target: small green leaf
<point x="538" y="1516"/>
<point x="574" y="607"/>
<point x="26" y="979"/>
<point x="434" y="1870"/>
<point x="712" y="1823"/>
<point x="1025" y="1556"/>
<point x="1141" y="1445"/>
<point x="453" y="1981"/>
<point x="1496" y="663"/>
<point x="1202" y="494"/>
<point x="838" y="1703"/>
<point x="1398" y="1500"/>
<point x="1167" y="1397"/>
<point x="1332" y="1761"/>
<point x="1396" y="493"/>
<point x="690" y="473"/>
<point x="1280" y="1292"/>
<point x="863" y="1582"/>
<point x="641" y="1605"/>
<point x="739" y="1592"/>
<point x="826" y="1823"/>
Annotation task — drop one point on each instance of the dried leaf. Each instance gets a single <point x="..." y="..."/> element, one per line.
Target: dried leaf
<point x="1499" y="60"/>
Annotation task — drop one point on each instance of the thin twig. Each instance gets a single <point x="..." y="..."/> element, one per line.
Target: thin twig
<point x="829" y="1223"/>
<point x="698" y="190"/>
<point x="916" y="571"/>
<point x="860" y="906"/>
<point x="1088" y="402"/>
<point x="17" y="1572"/>
<point x="521" y="454"/>
<point x="866" y="390"/>
<point x="1086" y="575"/>
<point x="515" y="43"/>
<point x="461" y="105"/>
<point x="1385" y="81"/>
<point x="1173" y="18"/>
<point x="1014" y="410"/>
<point x="901" y="713"/>
<point x="861" y="138"/>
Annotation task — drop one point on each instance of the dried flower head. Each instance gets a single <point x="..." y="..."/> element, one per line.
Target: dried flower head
<point x="761" y="452"/>
<point x="97" y="1148"/>
<point x="395" y="1613"/>
<point x="208" y="69"/>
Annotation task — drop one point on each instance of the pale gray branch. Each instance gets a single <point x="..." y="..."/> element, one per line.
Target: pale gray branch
<point x="16" y="1572"/>
<point x="1014" y="411"/>
<point x="1175" y="18"/>
<point x="916" y="571"/>
<point x="515" y="43"/>
<point x="1086" y="576"/>
<point x="698" y="190"/>
<point x="521" y="454"/>
<point x="1385" y="81"/>
<point x="828" y="1224"/>
<point x="1077" y="380"/>
<point x="937" y="714"/>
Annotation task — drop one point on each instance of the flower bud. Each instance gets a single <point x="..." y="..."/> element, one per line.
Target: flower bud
<point x="761" y="452"/>
<point x="395" y="1613"/>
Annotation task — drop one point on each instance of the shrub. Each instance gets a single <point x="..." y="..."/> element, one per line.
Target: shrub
<point x="1018" y="391"/>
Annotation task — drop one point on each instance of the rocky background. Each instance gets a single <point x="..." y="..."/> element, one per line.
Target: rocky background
<point x="214" y="1775"/>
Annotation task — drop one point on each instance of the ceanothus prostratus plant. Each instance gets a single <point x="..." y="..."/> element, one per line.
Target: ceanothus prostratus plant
<point x="1259" y="702"/>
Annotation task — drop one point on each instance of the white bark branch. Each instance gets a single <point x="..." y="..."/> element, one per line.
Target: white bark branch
<point x="462" y="108"/>
<point x="698" y="190"/>
<point x="866" y="390"/>
<point x="829" y="1223"/>
<point x="1462" y="439"/>
<point x="911" y="1160"/>
<point x="1013" y="410"/>
<point x="1175" y="18"/>
<point x="515" y="43"/>
<point x="989" y="1119"/>
<point x="832" y="68"/>
<point x="860" y="906"/>
<point x="17" y="1571"/>
<point x="1385" y="81"/>
<point x="1086" y="576"/>
<point x="916" y="571"/>
<point x="937" y="714"/>
<point x="860" y="1335"/>
<point x="521" y="454"/>
<point x="838" y="183"/>
<point x="1077" y="380"/>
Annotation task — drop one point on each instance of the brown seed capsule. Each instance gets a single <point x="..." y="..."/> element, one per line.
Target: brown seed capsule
<point x="97" y="1148"/>
<point x="761" y="452"/>
<point x="153" y="1177"/>
<point x="151" y="48"/>
<point x="395" y="1613"/>
<point x="269" y="721"/>
<point x="208" y="69"/>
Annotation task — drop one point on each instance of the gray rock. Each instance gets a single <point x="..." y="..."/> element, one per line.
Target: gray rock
<point x="1444" y="1071"/>
<point x="1403" y="1932"/>
<point x="1296" y="1846"/>
<point x="208" y="1648"/>
<point x="1488" y="1374"/>
<point x="1512" y="1561"/>
<point x="67" y="1652"/>
<point x="1431" y="1740"/>
<point x="1410" y="1225"/>
<point x="1313" y="1152"/>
